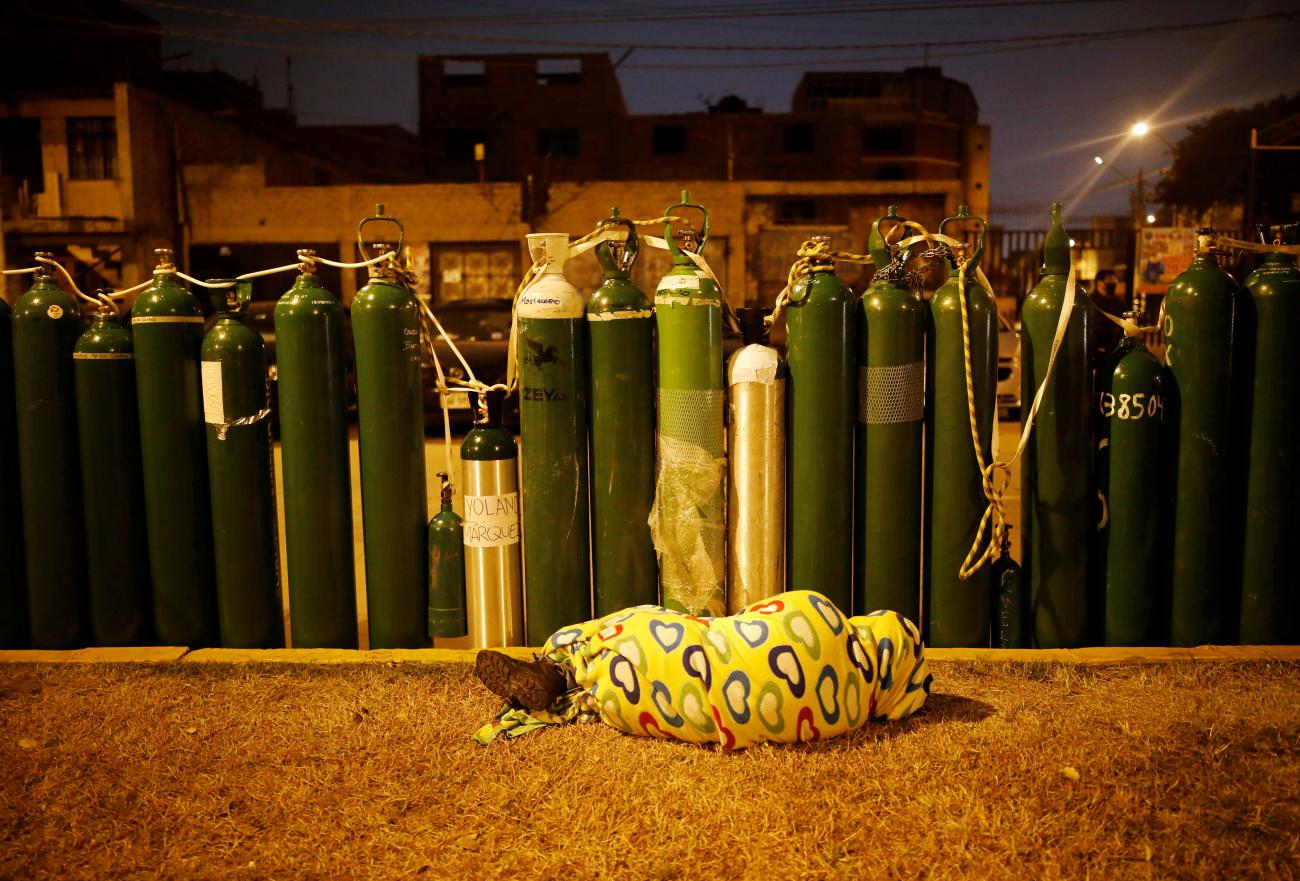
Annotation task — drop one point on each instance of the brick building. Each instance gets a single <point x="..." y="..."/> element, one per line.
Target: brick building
<point x="111" y="159"/>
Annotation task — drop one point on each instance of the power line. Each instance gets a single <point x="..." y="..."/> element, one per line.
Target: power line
<point x="389" y="30"/>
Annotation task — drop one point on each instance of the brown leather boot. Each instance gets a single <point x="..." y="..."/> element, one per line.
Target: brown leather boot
<point x="533" y="685"/>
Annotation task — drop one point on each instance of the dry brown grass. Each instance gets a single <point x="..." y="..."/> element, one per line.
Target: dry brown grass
<point x="209" y="771"/>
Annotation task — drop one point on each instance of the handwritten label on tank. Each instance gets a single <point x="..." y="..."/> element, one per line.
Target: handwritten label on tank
<point x="214" y="403"/>
<point x="491" y="521"/>
<point x="1135" y="406"/>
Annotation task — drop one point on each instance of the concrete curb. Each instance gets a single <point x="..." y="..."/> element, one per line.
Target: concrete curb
<point x="131" y="655"/>
<point x="1084" y="657"/>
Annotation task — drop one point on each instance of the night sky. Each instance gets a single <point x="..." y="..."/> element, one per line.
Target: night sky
<point x="1051" y="109"/>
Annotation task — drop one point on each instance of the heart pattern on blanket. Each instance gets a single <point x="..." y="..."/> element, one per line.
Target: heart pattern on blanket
<point x="800" y="630"/>
<point x="828" y="687"/>
<point x="829" y="613"/>
<point x="718" y="640"/>
<point x="768" y="608"/>
<point x="752" y="632"/>
<point x="669" y="636"/>
<point x="806" y="719"/>
<point x="785" y="664"/>
<point x="697" y="665"/>
<point x="622" y="674"/>
<point x="693" y="708"/>
<point x="735" y="691"/>
<point x="728" y="739"/>
<point x="769" y="707"/>
<point x="631" y="649"/>
<point x="663" y="701"/>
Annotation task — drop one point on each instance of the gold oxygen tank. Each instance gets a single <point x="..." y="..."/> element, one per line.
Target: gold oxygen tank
<point x="756" y="442"/>
<point x="493" y="577"/>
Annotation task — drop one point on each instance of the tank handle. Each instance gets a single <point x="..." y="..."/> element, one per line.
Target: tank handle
<point x="963" y="213"/>
<point x="877" y="244"/>
<point x="379" y="216"/>
<point x="631" y="247"/>
<point x="668" y="225"/>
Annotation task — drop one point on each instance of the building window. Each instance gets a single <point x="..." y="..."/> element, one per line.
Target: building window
<point x="474" y="270"/>
<point x="668" y="140"/>
<point x="796" y="211"/>
<point x="464" y="73"/>
<point x="799" y="137"/>
<point x="559" y="71"/>
<point x="887" y="139"/>
<point x="461" y="141"/>
<point x="891" y="172"/>
<point x="557" y="142"/>
<point x="92" y="148"/>
<point x="20" y="152"/>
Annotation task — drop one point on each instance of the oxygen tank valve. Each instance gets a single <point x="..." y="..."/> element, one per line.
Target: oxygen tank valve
<point x="165" y="260"/>
<point x="1207" y="241"/>
<point x="105" y="304"/>
<point x="1131" y="327"/>
<point x="822" y="261"/>
<point x="446" y="487"/>
<point x="306" y="265"/>
<point x="687" y="239"/>
<point x="43" y="269"/>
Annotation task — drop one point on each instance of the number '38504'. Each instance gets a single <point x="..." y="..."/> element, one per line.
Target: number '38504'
<point x="1135" y="406"/>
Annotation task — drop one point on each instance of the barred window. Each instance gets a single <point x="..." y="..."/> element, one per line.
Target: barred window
<point x="474" y="270"/>
<point x="92" y="148"/>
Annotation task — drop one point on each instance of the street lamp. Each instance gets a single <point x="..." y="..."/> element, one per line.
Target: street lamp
<point x="1142" y="128"/>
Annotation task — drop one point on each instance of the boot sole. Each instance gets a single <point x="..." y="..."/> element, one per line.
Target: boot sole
<point x="512" y="679"/>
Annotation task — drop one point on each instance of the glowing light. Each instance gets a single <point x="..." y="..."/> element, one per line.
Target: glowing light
<point x="1071" y="243"/>
<point x="1098" y="160"/>
<point x="1140" y="128"/>
<point x="1151" y="218"/>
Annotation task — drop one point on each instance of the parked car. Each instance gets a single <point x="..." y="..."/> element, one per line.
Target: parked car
<point x="481" y="331"/>
<point x="1008" y="368"/>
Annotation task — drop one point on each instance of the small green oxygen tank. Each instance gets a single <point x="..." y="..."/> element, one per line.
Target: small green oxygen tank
<point x="1198" y="326"/>
<point x="1010" y="600"/>
<point x="1270" y="578"/>
<point x="167" y="331"/>
<point x="108" y="422"/>
<point x="689" y="518"/>
<point x="891" y="408"/>
<point x="447" y="616"/>
<point x="553" y="431"/>
<point x="390" y="421"/>
<point x="494" y="594"/>
<point x="313" y="398"/>
<point x="235" y="408"/>
<point x="46" y="324"/>
<point x="620" y="339"/>
<point x="957" y="611"/>
<point x="820" y="395"/>
<point x="13" y="569"/>
<point x="1055" y="477"/>
<point x="1130" y="566"/>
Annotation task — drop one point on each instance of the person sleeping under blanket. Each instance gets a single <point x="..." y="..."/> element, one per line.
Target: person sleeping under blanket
<point x="790" y="668"/>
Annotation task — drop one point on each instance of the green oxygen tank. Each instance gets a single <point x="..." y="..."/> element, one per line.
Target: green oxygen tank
<point x="1270" y="579"/>
<point x="167" y="331"/>
<point x="494" y="595"/>
<point x="1010" y="600"/>
<point x="891" y="409"/>
<point x="13" y="569"/>
<point x="688" y="521"/>
<point x="108" y="422"/>
<point x="553" y="431"/>
<point x="312" y="380"/>
<point x="390" y="417"/>
<point x="46" y="324"/>
<point x="1129" y="565"/>
<point x="1055" y="477"/>
<point x="620" y="339"/>
<point x="447" y="616"/>
<point x="235" y="408"/>
<point x="956" y="610"/>
<point x="1198" y="326"/>
<point x="819" y="446"/>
